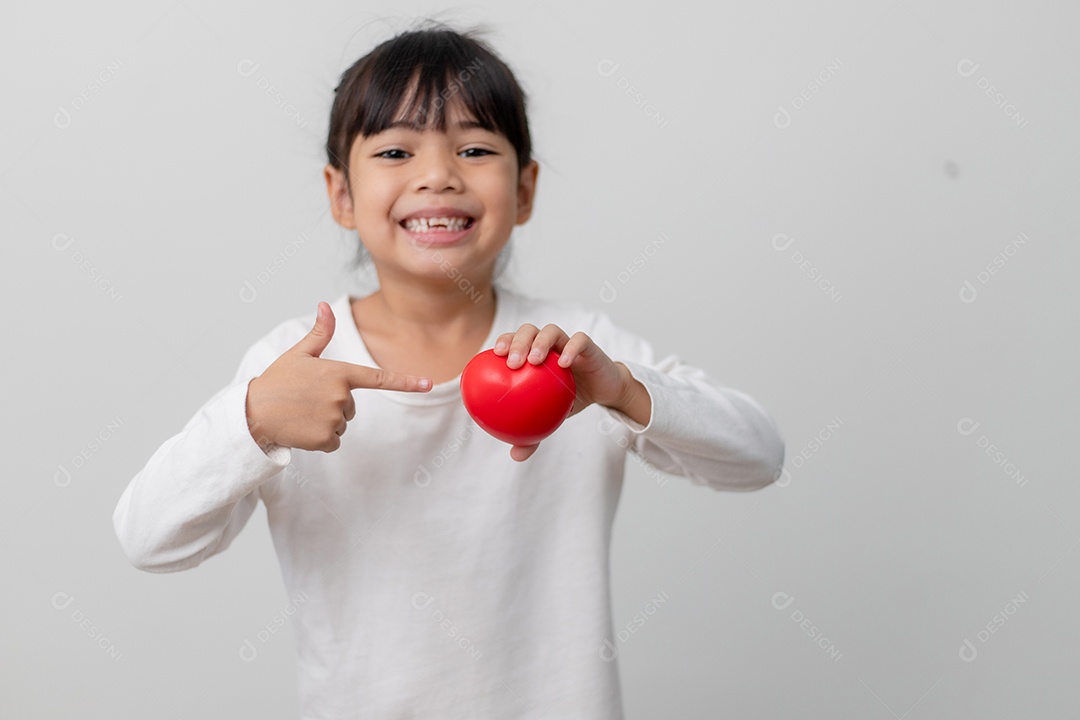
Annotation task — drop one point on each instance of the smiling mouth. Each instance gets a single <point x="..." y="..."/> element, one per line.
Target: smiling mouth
<point x="441" y="224"/>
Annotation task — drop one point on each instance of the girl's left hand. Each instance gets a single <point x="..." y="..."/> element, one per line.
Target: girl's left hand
<point x="598" y="378"/>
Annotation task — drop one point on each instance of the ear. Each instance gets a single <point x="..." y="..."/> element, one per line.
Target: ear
<point x="526" y="190"/>
<point x="341" y="204"/>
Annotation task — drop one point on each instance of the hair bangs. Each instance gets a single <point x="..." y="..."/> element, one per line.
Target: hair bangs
<point x="413" y="78"/>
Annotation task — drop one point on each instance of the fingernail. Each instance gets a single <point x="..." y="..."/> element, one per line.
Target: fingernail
<point x="534" y="354"/>
<point x="515" y="357"/>
<point x="424" y="383"/>
<point x="500" y="347"/>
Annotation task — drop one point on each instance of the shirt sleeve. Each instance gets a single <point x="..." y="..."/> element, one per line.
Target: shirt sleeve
<point x="713" y="435"/>
<point x="198" y="489"/>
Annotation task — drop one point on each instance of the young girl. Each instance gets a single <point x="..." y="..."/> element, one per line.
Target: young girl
<point x="434" y="573"/>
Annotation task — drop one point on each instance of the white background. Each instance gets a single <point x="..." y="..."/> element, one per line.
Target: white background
<point x="922" y="161"/>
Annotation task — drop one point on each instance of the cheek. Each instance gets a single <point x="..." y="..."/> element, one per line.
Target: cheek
<point x="373" y="199"/>
<point x="500" y="195"/>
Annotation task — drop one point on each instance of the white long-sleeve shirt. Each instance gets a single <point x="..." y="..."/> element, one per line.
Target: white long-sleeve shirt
<point x="431" y="575"/>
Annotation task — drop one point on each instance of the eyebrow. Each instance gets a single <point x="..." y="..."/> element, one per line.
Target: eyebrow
<point x="463" y="124"/>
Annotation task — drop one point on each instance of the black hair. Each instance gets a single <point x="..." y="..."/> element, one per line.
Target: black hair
<point x="444" y="64"/>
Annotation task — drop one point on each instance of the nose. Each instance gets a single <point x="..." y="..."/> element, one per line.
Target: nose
<point x="437" y="171"/>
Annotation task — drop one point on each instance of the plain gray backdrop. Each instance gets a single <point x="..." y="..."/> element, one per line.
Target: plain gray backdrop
<point x="864" y="214"/>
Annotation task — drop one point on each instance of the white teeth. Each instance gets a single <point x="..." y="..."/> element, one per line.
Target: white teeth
<point x="443" y="223"/>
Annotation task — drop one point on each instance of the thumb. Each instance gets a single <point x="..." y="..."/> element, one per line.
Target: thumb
<point x="316" y="341"/>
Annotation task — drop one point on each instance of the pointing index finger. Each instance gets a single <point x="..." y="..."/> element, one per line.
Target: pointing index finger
<point x="362" y="376"/>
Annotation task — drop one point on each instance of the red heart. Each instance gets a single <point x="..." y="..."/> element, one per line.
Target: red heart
<point x="521" y="406"/>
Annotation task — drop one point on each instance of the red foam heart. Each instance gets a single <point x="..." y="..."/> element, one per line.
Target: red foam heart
<point x="521" y="406"/>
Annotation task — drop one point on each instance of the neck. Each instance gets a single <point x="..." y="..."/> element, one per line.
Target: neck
<point x="436" y="309"/>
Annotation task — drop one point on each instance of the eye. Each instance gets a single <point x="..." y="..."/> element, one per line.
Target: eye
<point x="484" y="151"/>
<point x="385" y="154"/>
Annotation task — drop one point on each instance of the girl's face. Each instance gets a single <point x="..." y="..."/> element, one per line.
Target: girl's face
<point x="403" y="172"/>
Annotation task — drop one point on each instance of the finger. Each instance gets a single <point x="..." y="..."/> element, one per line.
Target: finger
<point x="340" y="429"/>
<point x="502" y="343"/>
<point x="362" y="376"/>
<point x="519" y="346"/>
<point x="579" y="344"/>
<point x="521" y="453"/>
<point x="350" y="408"/>
<point x="316" y="341"/>
<point x="551" y="337"/>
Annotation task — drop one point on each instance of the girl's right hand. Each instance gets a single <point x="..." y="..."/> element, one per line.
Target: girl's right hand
<point x="303" y="401"/>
